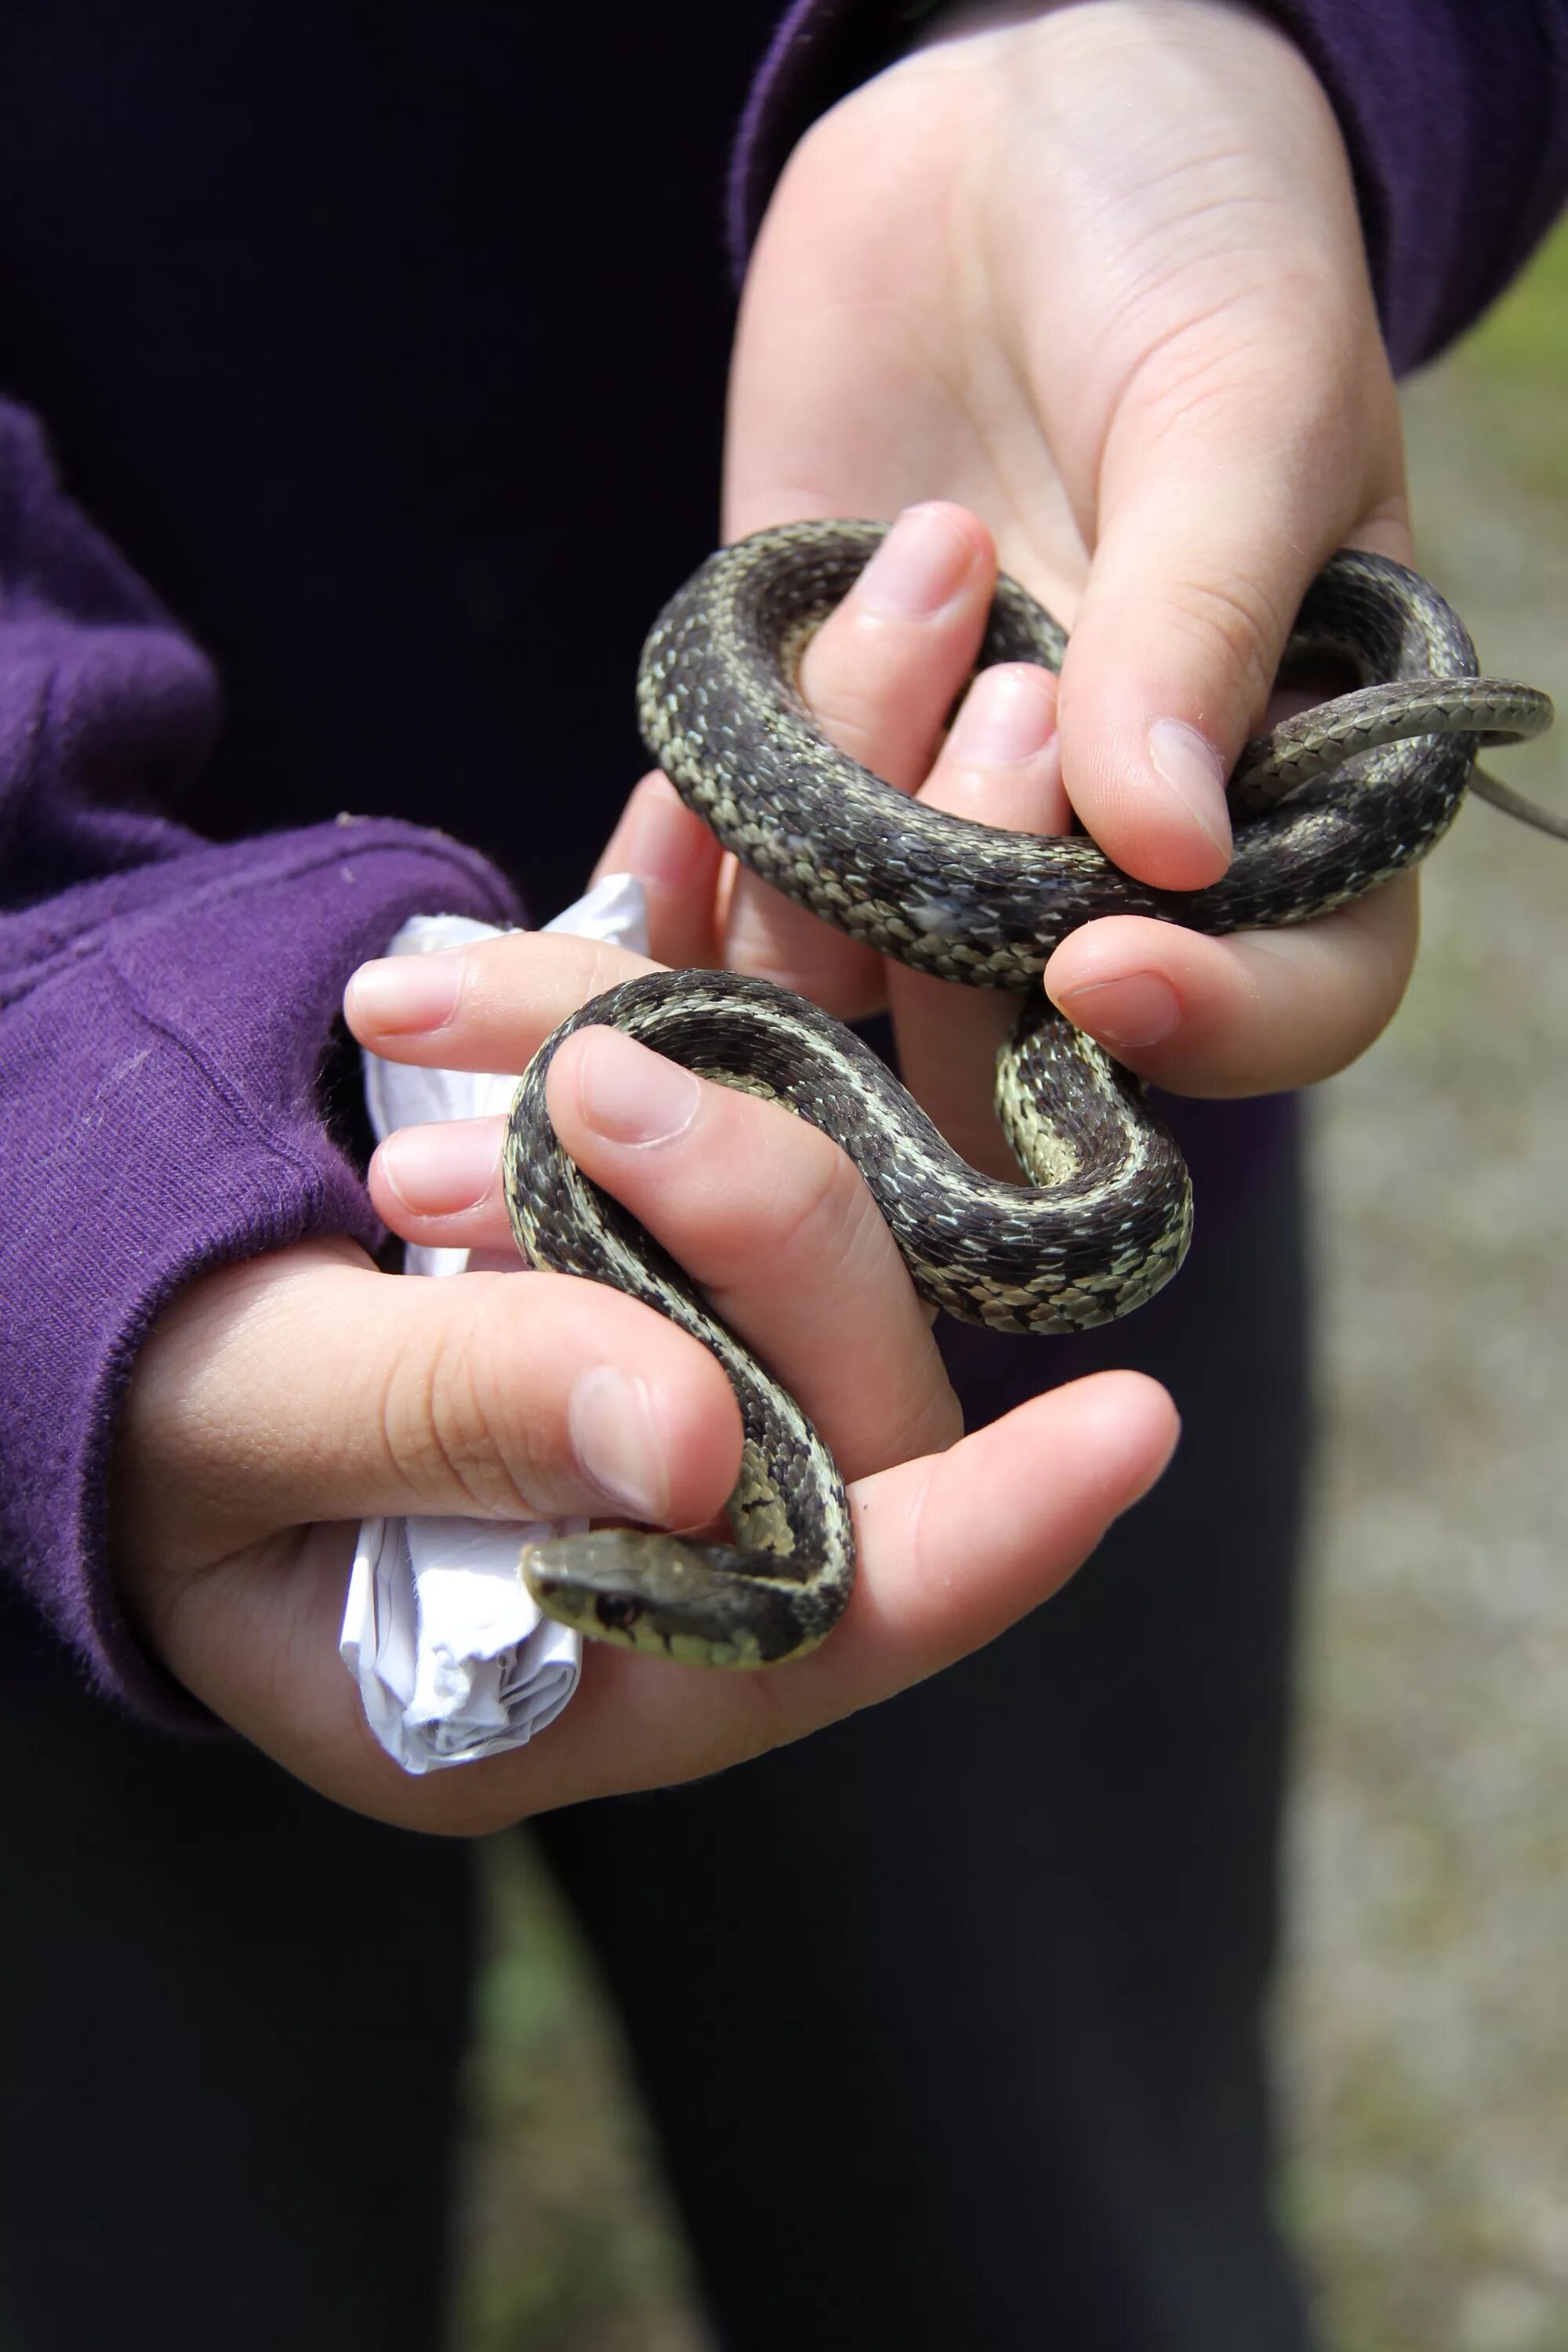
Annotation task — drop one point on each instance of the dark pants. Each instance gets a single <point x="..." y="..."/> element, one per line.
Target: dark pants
<point x="949" y="2017"/>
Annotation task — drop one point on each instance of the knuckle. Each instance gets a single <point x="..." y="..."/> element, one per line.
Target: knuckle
<point x="438" y="1426"/>
<point x="1268" y="360"/>
<point x="802" y="1220"/>
<point x="1224" y="627"/>
<point x="1238" y="620"/>
<point x="819" y="1217"/>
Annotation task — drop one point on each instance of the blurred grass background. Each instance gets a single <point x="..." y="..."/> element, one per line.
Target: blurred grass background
<point x="1424" y="2024"/>
<point x="1423" y="2027"/>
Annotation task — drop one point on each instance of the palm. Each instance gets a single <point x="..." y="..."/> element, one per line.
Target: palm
<point x="871" y="369"/>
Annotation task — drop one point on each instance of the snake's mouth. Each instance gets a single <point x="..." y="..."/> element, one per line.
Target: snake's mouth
<point x="667" y="1596"/>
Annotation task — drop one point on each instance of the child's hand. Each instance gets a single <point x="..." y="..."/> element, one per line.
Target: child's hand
<point x="1096" y="273"/>
<point x="278" y="1402"/>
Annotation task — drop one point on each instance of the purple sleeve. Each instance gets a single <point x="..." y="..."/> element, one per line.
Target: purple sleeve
<point x="1455" y="113"/>
<point x="165" y="1007"/>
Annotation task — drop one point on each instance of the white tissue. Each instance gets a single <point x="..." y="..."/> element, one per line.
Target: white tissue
<point x="452" y="1656"/>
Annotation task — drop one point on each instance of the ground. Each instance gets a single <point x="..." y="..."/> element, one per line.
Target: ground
<point x="1423" y="2027"/>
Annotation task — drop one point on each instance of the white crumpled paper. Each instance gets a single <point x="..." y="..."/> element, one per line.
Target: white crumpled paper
<point x="452" y="1656"/>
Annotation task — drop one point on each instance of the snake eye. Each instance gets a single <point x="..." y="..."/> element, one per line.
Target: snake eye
<point x="615" y="1615"/>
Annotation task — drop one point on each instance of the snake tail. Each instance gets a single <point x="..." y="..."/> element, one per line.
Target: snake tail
<point x="1327" y="805"/>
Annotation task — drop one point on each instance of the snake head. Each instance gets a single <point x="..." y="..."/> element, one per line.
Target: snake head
<point x="701" y="1604"/>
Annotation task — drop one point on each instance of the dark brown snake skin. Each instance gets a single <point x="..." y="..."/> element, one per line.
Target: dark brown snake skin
<point x="1328" y="805"/>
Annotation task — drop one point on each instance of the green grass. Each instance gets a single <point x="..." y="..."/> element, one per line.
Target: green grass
<point x="1525" y="336"/>
<point x="566" y="2243"/>
<point x="1513" y="367"/>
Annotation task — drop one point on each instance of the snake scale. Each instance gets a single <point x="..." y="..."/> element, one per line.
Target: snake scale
<point x="1328" y="806"/>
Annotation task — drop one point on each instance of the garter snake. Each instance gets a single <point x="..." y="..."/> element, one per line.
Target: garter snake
<point x="1328" y="805"/>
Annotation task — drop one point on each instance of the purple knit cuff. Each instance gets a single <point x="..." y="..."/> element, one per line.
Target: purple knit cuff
<point x="821" y="50"/>
<point x="1455" y="117"/>
<point x="150" y="1065"/>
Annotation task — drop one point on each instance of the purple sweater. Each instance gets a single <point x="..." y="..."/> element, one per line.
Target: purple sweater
<point x="166" y="1000"/>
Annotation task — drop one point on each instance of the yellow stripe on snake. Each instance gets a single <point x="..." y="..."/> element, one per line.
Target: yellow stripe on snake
<point x="1328" y="806"/>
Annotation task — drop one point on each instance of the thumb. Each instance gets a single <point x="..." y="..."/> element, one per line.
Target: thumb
<point x="308" y="1387"/>
<point x="1210" y="530"/>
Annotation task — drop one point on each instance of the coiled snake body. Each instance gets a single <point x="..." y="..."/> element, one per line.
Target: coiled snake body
<point x="1330" y="805"/>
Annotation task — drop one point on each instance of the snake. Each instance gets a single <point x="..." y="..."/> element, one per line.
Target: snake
<point x="1326" y="807"/>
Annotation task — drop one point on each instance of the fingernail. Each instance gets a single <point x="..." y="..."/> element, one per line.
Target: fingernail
<point x="1189" y="763"/>
<point x="1138" y="1009"/>
<point x="407" y="993"/>
<point x="923" y="561"/>
<point x="610" y="1422"/>
<point x="440" y="1170"/>
<point x="631" y="1095"/>
<point x="1008" y="716"/>
<point x="662" y="842"/>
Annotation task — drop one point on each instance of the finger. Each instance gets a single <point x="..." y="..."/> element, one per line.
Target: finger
<point x="881" y="674"/>
<point x="765" y="1214"/>
<point x="774" y="1222"/>
<point x="678" y="861"/>
<point x="310" y="1387"/>
<point x="1200" y="565"/>
<point x="952" y="1548"/>
<point x="1251" y="1014"/>
<point x="1000" y="766"/>
<point x="488" y="1006"/>
<point x="439" y="1186"/>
